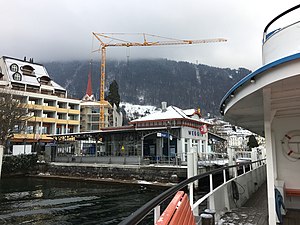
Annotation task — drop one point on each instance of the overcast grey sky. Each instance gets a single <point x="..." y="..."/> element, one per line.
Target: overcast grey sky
<point x="62" y="29"/>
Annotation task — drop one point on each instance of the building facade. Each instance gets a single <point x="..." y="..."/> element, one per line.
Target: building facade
<point x="49" y="109"/>
<point x="90" y="112"/>
<point x="184" y="130"/>
<point x="165" y="135"/>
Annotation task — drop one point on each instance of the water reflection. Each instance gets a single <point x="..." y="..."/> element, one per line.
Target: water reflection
<point x="50" y="201"/>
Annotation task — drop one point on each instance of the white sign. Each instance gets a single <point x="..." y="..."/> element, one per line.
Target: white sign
<point x="22" y="149"/>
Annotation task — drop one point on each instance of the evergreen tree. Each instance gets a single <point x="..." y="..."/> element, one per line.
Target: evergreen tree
<point x="252" y="143"/>
<point x="113" y="96"/>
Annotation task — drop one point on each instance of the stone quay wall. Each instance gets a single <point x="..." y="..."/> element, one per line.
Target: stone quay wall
<point x="116" y="172"/>
<point x="19" y="165"/>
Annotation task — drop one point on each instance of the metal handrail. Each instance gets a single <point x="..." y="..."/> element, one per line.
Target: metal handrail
<point x="142" y="212"/>
<point x="276" y="18"/>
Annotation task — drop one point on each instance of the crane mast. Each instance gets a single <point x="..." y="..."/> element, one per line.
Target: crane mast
<point x="117" y="42"/>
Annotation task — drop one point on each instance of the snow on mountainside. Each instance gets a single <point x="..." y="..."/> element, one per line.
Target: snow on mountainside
<point x="137" y="111"/>
<point x="152" y="81"/>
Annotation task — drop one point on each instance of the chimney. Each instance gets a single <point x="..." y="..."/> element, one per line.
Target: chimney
<point x="164" y="106"/>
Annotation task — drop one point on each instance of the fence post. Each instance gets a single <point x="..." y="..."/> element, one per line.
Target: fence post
<point x="211" y="199"/>
<point x="195" y="164"/>
<point x="156" y="213"/>
<point x="190" y="173"/>
<point x="226" y="197"/>
<point x="231" y="158"/>
<point x="254" y="157"/>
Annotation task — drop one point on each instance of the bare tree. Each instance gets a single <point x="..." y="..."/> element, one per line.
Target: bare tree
<point x="13" y="113"/>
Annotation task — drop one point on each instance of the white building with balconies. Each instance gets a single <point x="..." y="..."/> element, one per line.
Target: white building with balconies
<point x="47" y="104"/>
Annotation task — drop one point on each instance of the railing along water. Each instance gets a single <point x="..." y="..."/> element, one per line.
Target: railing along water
<point x="154" y="204"/>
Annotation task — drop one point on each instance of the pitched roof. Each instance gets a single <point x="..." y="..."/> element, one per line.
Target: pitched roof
<point x="172" y="112"/>
<point x="39" y="72"/>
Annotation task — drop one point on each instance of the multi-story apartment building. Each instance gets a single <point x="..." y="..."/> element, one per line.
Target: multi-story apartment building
<point x="50" y="110"/>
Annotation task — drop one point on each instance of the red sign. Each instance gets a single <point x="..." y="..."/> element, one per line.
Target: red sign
<point x="203" y="129"/>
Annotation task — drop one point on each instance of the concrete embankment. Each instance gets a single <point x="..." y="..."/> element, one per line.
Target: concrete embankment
<point x="139" y="174"/>
<point x="19" y="165"/>
<point x="115" y="172"/>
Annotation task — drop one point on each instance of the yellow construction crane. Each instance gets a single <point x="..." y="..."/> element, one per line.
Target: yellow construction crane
<point x="110" y="40"/>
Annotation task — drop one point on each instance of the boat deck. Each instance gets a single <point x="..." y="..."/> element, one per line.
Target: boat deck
<point x="255" y="211"/>
<point x="292" y="217"/>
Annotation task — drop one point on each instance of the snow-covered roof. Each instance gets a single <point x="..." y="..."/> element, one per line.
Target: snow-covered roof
<point x="189" y="112"/>
<point x="172" y="112"/>
<point x="38" y="72"/>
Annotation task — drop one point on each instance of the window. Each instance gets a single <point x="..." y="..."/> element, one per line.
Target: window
<point x="44" y="130"/>
<point x="27" y="70"/>
<point x="16" y="128"/>
<point x="95" y="127"/>
<point x="17" y="76"/>
<point x="14" y="67"/>
<point x="29" y="129"/>
<point x="44" y="80"/>
<point x="95" y="118"/>
<point x="70" y="130"/>
<point x="58" y="130"/>
<point x="95" y="110"/>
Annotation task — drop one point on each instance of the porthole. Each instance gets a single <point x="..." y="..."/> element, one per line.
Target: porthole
<point x="17" y="76"/>
<point x="14" y="67"/>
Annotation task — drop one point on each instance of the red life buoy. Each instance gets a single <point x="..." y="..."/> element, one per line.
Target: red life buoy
<point x="286" y="142"/>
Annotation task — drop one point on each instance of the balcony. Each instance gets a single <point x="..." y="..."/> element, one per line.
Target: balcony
<point x="61" y="121"/>
<point x="30" y="137"/>
<point x="35" y="119"/>
<point x="3" y="83"/>
<point x="73" y="122"/>
<point x="50" y="108"/>
<point x="33" y="106"/>
<point x="24" y="136"/>
<point x="74" y="111"/>
<point x="62" y="110"/>
<point x="49" y="120"/>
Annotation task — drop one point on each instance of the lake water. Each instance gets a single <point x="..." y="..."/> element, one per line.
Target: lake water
<point x="52" y="201"/>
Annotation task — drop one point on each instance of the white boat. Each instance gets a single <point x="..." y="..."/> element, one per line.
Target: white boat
<point x="267" y="102"/>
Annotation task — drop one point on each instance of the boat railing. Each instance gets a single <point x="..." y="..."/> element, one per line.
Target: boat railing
<point x="154" y="205"/>
<point x="180" y="159"/>
<point x="266" y="35"/>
